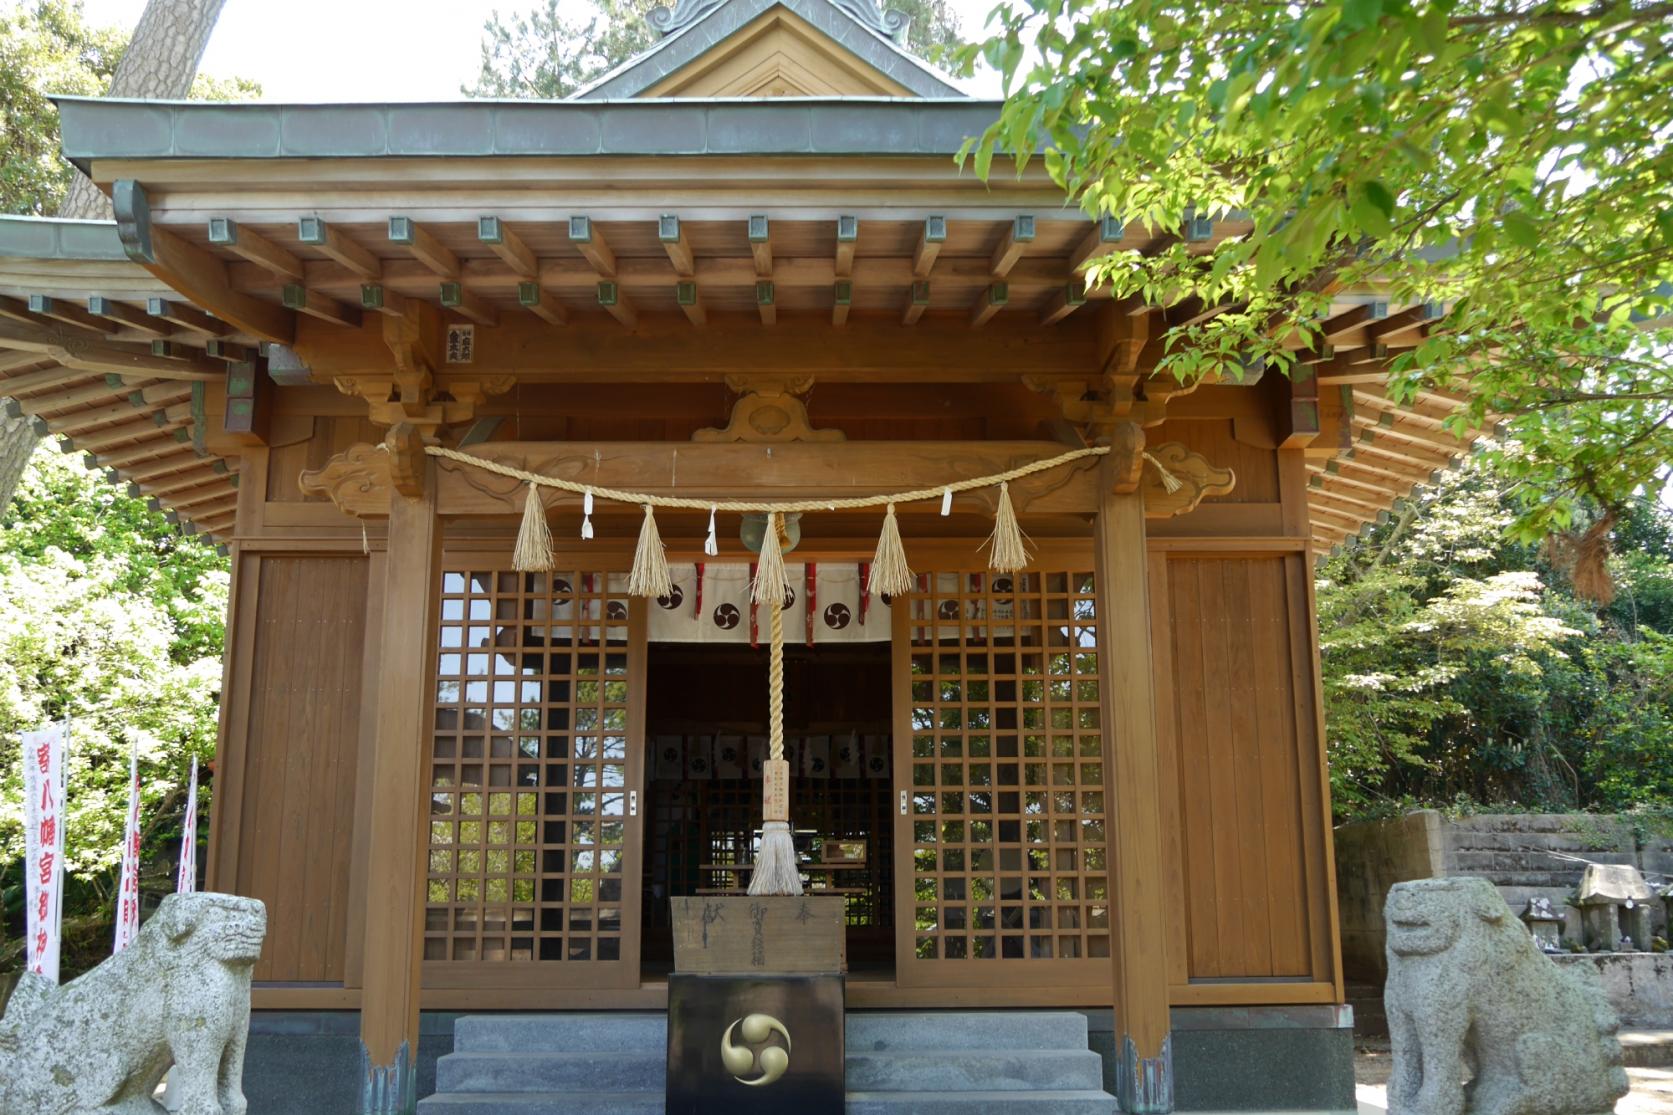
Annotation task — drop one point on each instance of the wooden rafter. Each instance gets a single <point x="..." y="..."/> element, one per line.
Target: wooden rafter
<point x="1018" y="235"/>
<point x="87" y="353"/>
<point x="224" y="232"/>
<point x="424" y="247"/>
<point x="671" y="233"/>
<point x="194" y="272"/>
<point x="338" y="245"/>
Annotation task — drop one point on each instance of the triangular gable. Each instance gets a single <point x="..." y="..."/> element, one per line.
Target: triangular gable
<point x="773" y="48"/>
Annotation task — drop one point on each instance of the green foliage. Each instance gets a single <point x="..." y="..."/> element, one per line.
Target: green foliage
<point x="542" y="53"/>
<point x="108" y="617"/>
<point x="1460" y="669"/>
<point x="47" y="47"/>
<point x="1509" y="159"/>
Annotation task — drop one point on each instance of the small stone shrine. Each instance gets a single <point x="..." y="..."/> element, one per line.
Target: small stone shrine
<point x="1614" y="903"/>
<point x="180" y="996"/>
<point x="1545" y="923"/>
<point x="1470" y="994"/>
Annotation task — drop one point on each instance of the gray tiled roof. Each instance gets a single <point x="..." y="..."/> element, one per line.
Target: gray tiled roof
<point x="95" y="128"/>
<point x="693" y="40"/>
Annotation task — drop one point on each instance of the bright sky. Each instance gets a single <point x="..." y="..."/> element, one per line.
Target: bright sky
<point x="375" y="50"/>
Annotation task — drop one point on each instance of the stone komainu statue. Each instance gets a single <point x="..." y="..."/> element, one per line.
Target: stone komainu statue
<point x="180" y="994"/>
<point x="1469" y="992"/>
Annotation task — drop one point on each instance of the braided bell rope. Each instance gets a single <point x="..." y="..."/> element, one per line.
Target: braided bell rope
<point x="775" y="684"/>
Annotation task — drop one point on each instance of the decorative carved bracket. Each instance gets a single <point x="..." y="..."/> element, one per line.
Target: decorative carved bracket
<point x="768" y="412"/>
<point x="356" y="480"/>
<point x="1197" y="477"/>
<point x="410" y="393"/>
<point x="1095" y="411"/>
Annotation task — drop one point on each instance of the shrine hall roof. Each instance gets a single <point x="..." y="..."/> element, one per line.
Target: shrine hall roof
<point x="101" y="128"/>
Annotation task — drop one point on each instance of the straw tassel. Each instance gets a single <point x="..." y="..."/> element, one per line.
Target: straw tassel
<point x="1007" y="550"/>
<point x="534" y="539"/>
<point x="771" y="581"/>
<point x="1170" y="482"/>
<point x="650" y="577"/>
<point x="890" y="575"/>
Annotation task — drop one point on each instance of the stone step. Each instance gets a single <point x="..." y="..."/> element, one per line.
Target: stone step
<point x="859" y="1103"/>
<point x="551" y="1072"/>
<point x="910" y="1031"/>
<point x="966" y="1070"/>
<point x="1647" y="1049"/>
<point x="968" y="1103"/>
<point x="544" y="1103"/>
<point x="561" y="1033"/>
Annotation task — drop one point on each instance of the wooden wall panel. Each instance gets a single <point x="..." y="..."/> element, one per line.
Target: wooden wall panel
<point x="290" y="756"/>
<point x="1248" y="819"/>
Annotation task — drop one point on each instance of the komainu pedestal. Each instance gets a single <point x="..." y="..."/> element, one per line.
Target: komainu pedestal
<point x="1469" y="993"/>
<point x="180" y="995"/>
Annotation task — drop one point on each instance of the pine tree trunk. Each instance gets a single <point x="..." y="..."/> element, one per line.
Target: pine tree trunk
<point x="161" y="61"/>
<point x="17" y="445"/>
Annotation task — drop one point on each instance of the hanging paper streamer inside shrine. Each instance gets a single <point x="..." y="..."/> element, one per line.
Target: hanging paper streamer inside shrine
<point x="43" y="818"/>
<point x="187" y="880"/>
<point x="127" y="895"/>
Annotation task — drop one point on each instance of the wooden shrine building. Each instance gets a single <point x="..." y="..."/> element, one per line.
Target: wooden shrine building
<point x="743" y="265"/>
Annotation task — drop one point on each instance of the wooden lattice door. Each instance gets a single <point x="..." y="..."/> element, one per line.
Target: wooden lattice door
<point x="1001" y="853"/>
<point x="537" y="770"/>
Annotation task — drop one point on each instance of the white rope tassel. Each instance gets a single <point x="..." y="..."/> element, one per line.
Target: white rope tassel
<point x="587" y="515"/>
<point x="650" y="577"/>
<point x="534" y="539"/>
<point x="1007" y="550"/>
<point x="890" y="574"/>
<point x="1170" y="482"/>
<point x="710" y="545"/>
<point x="771" y="580"/>
<point x="776" y="871"/>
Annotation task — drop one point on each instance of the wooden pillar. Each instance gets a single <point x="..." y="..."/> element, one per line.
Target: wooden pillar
<point x="400" y="771"/>
<point x="1132" y="785"/>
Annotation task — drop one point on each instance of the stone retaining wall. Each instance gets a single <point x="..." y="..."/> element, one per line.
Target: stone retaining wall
<point x="1522" y="853"/>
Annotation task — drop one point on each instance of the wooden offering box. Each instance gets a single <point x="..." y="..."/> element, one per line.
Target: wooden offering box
<point x="731" y="935"/>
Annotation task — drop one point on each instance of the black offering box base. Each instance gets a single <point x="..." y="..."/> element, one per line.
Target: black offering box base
<point x="755" y="1045"/>
<point x="755" y="1006"/>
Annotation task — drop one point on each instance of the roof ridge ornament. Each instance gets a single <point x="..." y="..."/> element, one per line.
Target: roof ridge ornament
<point x="891" y="25"/>
<point x="666" y="21"/>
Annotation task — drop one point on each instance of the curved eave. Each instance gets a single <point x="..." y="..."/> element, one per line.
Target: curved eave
<point x="111" y="128"/>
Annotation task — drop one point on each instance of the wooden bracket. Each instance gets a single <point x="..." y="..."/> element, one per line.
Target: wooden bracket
<point x="1196" y="476"/>
<point x="405" y="443"/>
<point x="357" y="480"/>
<point x="1124" y="467"/>
<point x="768" y="412"/>
<point x="410" y="392"/>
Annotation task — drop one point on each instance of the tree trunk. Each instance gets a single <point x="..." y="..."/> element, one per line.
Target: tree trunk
<point x="161" y="61"/>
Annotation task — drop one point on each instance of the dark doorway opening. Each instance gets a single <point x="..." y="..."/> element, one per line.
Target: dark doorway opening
<point x="706" y="720"/>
